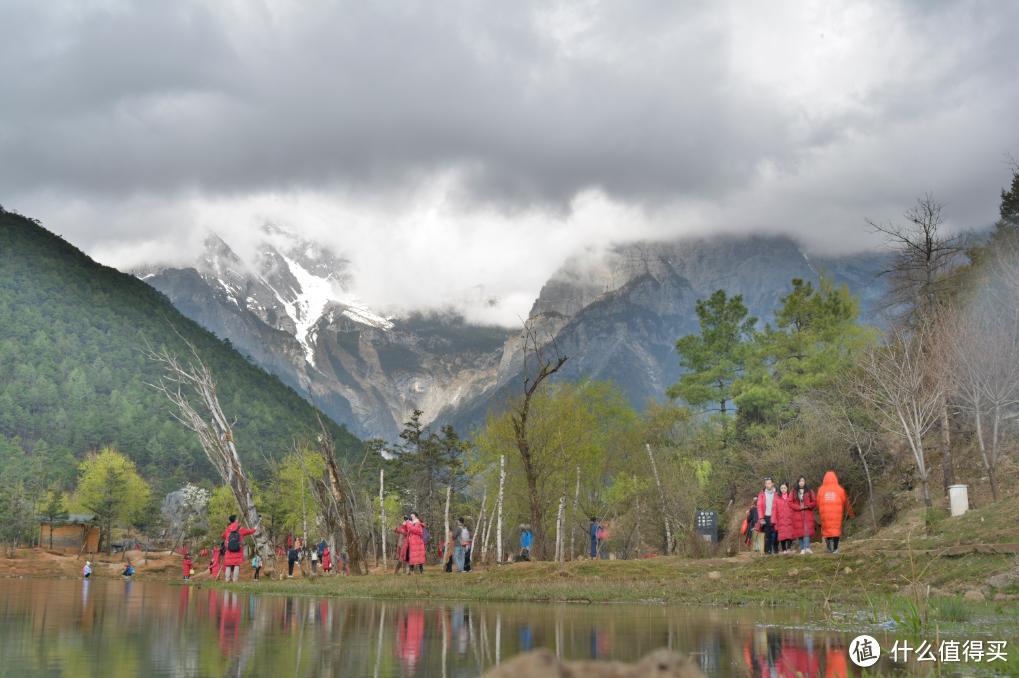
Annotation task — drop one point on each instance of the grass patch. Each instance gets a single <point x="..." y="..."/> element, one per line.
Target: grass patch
<point x="953" y="610"/>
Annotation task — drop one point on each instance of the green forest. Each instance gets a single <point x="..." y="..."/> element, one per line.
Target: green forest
<point x="74" y="376"/>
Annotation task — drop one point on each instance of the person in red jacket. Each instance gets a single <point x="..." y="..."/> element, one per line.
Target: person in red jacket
<point x="234" y="536"/>
<point x="783" y="515"/>
<point x="217" y="557"/>
<point x="188" y="564"/>
<point x="416" y="542"/>
<point x="403" y="548"/>
<point x="832" y="504"/>
<point x="327" y="561"/>
<point x="803" y="504"/>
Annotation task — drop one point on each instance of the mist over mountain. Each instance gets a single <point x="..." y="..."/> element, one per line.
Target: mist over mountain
<point x="293" y="307"/>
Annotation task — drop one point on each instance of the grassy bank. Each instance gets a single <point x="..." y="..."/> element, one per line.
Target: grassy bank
<point x="794" y="580"/>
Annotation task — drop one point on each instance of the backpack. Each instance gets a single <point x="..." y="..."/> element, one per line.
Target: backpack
<point x="234" y="542"/>
<point x="601" y="532"/>
<point x="424" y="534"/>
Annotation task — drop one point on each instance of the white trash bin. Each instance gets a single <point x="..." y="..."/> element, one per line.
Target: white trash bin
<point x="958" y="495"/>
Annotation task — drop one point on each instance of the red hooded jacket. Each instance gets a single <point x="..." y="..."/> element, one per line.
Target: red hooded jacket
<point x="233" y="558"/>
<point x="832" y="504"/>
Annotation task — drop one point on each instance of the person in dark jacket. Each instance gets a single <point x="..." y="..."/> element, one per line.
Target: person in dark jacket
<point x="751" y="526"/>
<point x="595" y="527"/>
<point x="291" y="559"/>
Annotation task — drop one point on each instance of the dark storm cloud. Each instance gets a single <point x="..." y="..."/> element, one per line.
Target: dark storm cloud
<point x="575" y="123"/>
<point x="529" y="100"/>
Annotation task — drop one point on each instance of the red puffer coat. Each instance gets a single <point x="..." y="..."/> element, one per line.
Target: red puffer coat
<point x="803" y="513"/>
<point x="416" y="543"/>
<point x="782" y="512"/>
<point x="233" y="558"/>
<point x="832" y="505"/>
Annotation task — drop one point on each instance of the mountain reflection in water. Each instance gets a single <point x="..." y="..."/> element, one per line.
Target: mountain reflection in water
<point x="110" y="628"/>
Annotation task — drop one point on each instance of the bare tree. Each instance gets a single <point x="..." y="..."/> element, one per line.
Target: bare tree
<point x="902" y="380"/>
<point x="921" y="276"/>
<point x="837" y="415"/>
<point x="215" y="435"/>
<point x="537" y="368"/>
<point x="980" y="348"/>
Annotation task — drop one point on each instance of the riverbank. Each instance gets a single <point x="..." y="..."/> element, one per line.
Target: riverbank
<point x="792" y="580"/>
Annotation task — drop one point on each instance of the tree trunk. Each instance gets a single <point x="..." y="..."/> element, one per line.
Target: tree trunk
<point x="870" y="486"/>
<point x="992" y="471"/>
<point x="661" y="496"/>
<point x="502" y="485"/>
<point x="382" y="510"/>
<point x="946" y="447"/>
<point x="983" y="453"/>
<point x="573" y="524"/>
<point x="448" y="538"/>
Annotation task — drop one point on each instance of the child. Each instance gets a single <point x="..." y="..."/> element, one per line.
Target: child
<point x="188" y="564"/>
<point x="87" y="570"/>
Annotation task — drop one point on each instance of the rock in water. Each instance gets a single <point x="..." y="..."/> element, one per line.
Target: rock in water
<point x="544" y="664"/>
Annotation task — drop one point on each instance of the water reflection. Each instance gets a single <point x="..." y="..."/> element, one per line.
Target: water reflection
<point x="109" y="628"/>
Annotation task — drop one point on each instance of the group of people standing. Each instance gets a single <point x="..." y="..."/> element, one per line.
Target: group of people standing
<point x="412" y="547"/>
<point x="783" y="517"/>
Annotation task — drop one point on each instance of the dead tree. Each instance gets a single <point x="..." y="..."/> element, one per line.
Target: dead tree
<point x="336" y="498"/>
<point x="545" y="368"/>
<point x="215" y="435"/>
<point x="921" y="275"/>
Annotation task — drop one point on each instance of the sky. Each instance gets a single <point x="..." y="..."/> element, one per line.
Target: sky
<point x="443" y="145"/>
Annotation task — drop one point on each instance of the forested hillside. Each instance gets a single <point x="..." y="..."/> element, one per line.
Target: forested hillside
<point x="73" y="374"/>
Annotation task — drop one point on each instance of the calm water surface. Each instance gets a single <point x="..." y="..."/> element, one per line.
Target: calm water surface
<point x="114" y="628"/>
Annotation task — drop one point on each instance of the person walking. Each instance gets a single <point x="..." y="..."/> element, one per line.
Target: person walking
<point x="784" y="518"/>
<point x="86" y="571"/>
<point x="803" y="505"/>
<point x="832" y="504"/>
<point x="188" y="563"/>
<point x="526" y="539"/>
<point x="314" y="560"/>
<point x="234" y="536"/>
<point x="256" y="563"/>
<point x="460" y="538"/>
<point x="765" y="508"/>
<point x="417" y="538"/>
<point x="291" y="559"/>
<point x="749" y="528"/>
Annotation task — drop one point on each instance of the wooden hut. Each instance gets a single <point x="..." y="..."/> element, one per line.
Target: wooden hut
<point x="80" y="532"/>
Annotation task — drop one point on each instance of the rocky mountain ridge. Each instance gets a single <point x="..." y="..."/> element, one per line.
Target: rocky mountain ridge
<point x="617" y="314"/>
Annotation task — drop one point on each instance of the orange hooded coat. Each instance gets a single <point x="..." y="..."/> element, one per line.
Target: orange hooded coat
<point x="831" y="504"/>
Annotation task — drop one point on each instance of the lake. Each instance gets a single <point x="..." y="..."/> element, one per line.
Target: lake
<point x="106" y="629"/>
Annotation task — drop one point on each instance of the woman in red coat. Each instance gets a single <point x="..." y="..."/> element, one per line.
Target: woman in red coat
<point x="233" y="559"/>
<point x="327" y="560"/>
<point x="784" y="517"/>
<point x="803" y="503"/>
<point x="416" y="543"/>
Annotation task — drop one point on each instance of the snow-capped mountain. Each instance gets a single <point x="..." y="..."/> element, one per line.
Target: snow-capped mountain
<point x="293" y="308"/>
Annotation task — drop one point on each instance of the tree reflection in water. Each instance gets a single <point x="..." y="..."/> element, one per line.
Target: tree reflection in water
<point x="107" y="629"/>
